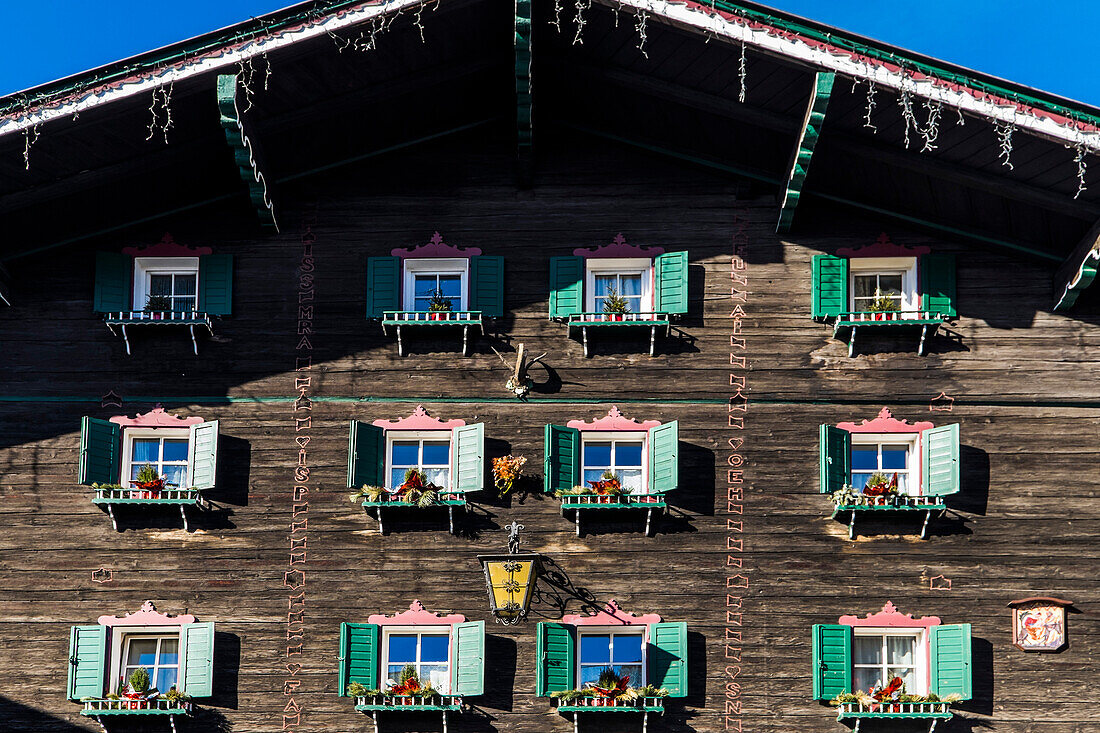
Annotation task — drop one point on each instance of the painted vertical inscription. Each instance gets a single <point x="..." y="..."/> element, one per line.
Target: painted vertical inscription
<point x="294" y="576"/>
<point x="737" y="581"/>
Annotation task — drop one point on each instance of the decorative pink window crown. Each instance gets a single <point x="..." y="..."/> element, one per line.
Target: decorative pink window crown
<point x="614" y="420"/>
<point x="612" y="615"/>
<point x="155" y="418"/>
<point x="890" y="617"/>
<point x="885" y="423"/>
<point x="617" y="248"/>
<point x="147" y="616"/>
<point x="435" y="248"/>
<point x="883" y="247"/>
<point x="417" y="615"/>
<point x="419" y="420"/>
<point x="166" y="247"/>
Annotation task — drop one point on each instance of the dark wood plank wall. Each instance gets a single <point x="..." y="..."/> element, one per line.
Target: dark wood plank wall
<point x="1023" y="380"/>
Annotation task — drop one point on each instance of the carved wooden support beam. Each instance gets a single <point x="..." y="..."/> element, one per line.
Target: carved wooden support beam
<point x="1078" y="271"/>
<point x="524" y="158"/>
<point x="245" y="150"/>
<point x="804" y="148"/>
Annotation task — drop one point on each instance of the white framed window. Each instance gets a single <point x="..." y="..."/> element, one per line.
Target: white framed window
<point x="176" y="278"/>
<point x="165" y="449"/>
<point x="621" y="453"/>
<point x="157" y="654"/>
<point x="880" y="655"/>
<point x="622" y="651"/>
<point x="424" y="277"/>
<point x="894" y="278"/>
<point x="887" y="453"/>
<point x="629" y="277"/>
<point x="428" y="451"/>
<point x="426" y="648"/>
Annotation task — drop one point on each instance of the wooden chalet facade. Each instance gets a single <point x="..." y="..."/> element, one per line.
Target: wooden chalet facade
<point x="913" y="305"/>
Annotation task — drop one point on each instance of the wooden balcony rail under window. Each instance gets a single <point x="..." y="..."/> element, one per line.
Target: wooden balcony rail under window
<point x="110" y="496"/>
<point x="933" y="712"/>
<point x="180" y="319"/>
<point x="928" y="504"/>
<point x="158" y="707"/>
<point x="643" y="705"/>
<point x="399" y="320"/>
<point x="652" y="321"/>
<point x="927" y="321"/>
<point x="447" y="499"/>
<point x="374" y="704"/>
<point x="651" y="503"/>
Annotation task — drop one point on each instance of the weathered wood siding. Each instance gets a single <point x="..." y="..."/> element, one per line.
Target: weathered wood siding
<point x="1023" y="380"/>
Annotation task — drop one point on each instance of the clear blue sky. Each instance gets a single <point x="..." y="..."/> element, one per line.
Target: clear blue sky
<point x="1049" y="45"/>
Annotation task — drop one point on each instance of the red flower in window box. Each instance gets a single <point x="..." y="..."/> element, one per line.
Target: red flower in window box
<point x="607" y="486"/>
<point x="148" y="483"/>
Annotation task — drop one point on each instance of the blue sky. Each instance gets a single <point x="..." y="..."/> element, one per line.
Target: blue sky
<point x="1051" y="48"/>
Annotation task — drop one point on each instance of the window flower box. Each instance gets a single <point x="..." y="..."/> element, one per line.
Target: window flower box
<point x="95" y="707"/>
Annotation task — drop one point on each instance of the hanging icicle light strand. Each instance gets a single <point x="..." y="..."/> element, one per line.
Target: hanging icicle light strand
<point x="905" y="99"/>
<point x="556" y="22"/>
<point x="1004" y="138"/>
<point x="870" y="107"/>
<point x="582" y="6"/>
<point x="30" y="137"/>
<point x="931" y="129"/>
<point x="742" y="75"/>
<point x="161" y="120"/>
<point x="640" y="26"/>
<point x="1079" y="159"/>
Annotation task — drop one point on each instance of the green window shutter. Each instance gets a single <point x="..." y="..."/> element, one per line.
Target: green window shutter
<point x="468" y="658"/>
<point x="671" y="275"/>
<point x="951" y="660"/>
<point x="556" y="650"/>
<point x="487" y="285"/>
<point x="383" y="285"/>
<point x="664" y="457"/>
<point x="87" y="661"/>
<point x="99" y="451"/>
<point x="366" y="455"/>
<point x="832" y="659"/>
<point x="940" y="460"/>
<point x="197" y="659"/>
<point x="468" y="459"/>
<point x="667" y="658"/>
<point x="566" y="286"/>
<point x="202" y="458"/>
<point x="836" y="459"/>
<point x="114" y="273"/>
<point x="830" y="284"/>
<point x="561" y="464"/>
<point x="360" y="647"/>
<point x="216" y="284"/>
<point x="937" y="284"/>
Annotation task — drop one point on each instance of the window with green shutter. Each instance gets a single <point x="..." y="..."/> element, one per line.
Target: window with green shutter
<point x="99" y="451"/>
<point x="937" y="284"/>
<point x="468" y="461"/>
<point x="671" y="279"/>
<point x="202" y="459"/>
<point x="555" y="652"/>
<point x="951" y="661"/>
<point x="366" y="455"/>
<point x="664" y="457"/>
<point x="832" y="660"/>
<point x="487" y="285"/>
<point x="360" y="646"/>
<point x="940" y="460"/>
<point x="830" y="286"/>
<point x="835" y="453"/>
<point x="668" y="657"/>
<point x="197" y="659"/>
<point x="216" y="284"/>
<point x="566" y="286"/>
<point x="383" y="285"/>
<point x="468" y="658"/>
<point x="114" y="273"/>
<point x="561" y="458"/>
<point x="87" y="661"/>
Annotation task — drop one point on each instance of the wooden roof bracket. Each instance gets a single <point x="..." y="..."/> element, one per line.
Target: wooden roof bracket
<point x="524" y="160"/>
<point x="804" y="148"/>
<point x="1078" y="271"/>
<point x="245" y="150"/>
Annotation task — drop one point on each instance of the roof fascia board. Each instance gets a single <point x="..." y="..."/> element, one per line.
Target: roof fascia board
<point x="221" y="57"/>
<point x="821" y="55"/>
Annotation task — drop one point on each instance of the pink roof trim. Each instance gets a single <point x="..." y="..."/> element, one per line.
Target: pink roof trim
<point x="156" y="418"/>
<point x="435" y="248"/>
<point x="890" y="617"/>
<point x="617" y="248"/>
<point x="147" y="616"/>
<point x="614" y="420"/>
<point x="883" y="247"/>
<point x="419" y="420"/>
<point x="885" y="423"/>
<point x="613" y="615"/>
<point x="166" y="247"/>
<point x="417" y="615"/>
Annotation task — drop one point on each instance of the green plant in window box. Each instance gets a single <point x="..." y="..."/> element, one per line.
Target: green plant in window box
<point x="176" y="698"/>
<point x="157" y="306"/>
<point x="439" y="304"/>
<point x="367" y="493"/>
<point x="139" y="681"/>
<point x="615" y="305"/>
<point x="148" y="483"/>
<point x="882" y="304"/>
<point x="881" y="489"/>
<point x="417" y="490"/>
<point x="408" y="686"/>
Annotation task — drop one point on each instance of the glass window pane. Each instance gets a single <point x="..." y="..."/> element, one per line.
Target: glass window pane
<point x="630" y="479"/>
<point x="437" y="454"/>
<point x="628" y="649"/>
<point x="864" y="678"/>
<point x="632" y="671"/>
<point x="895" y="457"/>
<point x="142" y="653"/>
<point x="630" y="285"/>
<point x="424" y="286"/>
<point x="628" y="455"/>
<point x="405" y="453"/>
<point x="160" y="284"/>
<point x="907" y="676"/>
<point x="438" y="675"/>
<point x="604" y="285"/>
<point x="175" y="450"/>
<point x="185" y="284"/>
<point x="592" y="474"/>
<point x="145" y="450"/>
<point x="438" y="476"/>
<point x="176" y="476"/>
<point x="865" y="286"/>
<point x="434" y="648"/>
<point x="402" y="649"/>
<point x="859" y="480"/>
<point x="451" y="285"/>
<point x="169" y="651"/>
<point x="890" y="284"/>
<point x="393" y="673"/>
<point x="595" y="649"/>
<point x="589" y="675"/>
<point x="900" y="650"/>
<point x="397" y="477"/>
<point x="864" y="458"/>
<point x="634" y="304"/>
<point x="868" y="650"/>
<point x="183" y="305"/>
<point x="166" y="678"/>
<point x="597" y="455"/>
